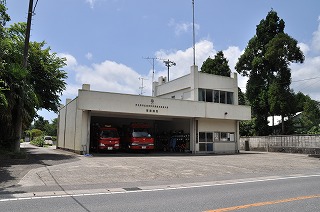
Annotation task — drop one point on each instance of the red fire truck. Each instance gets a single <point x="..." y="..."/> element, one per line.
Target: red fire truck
<point x="137" y="136"/>
<point x="109" y="138"/>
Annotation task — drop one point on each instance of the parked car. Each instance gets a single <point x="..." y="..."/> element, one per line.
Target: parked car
<point x="48" y="140"/>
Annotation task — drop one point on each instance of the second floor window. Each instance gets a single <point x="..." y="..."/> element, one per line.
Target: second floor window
<point x="216" y="96"/>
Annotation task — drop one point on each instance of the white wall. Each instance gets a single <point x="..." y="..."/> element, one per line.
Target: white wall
<point x="210" y="125"/>
<point x="167" y="89"/>
<point x="71" y="125"/>
<point x="216" y="82"/>
<point x="134" y="104"/>
<point x="61" y="127"/>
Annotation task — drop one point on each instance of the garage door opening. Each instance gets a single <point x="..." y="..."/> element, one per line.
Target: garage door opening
<point x="169" y="135"/>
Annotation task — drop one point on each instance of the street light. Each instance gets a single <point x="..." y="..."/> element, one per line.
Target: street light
<point x="169" y="63"/>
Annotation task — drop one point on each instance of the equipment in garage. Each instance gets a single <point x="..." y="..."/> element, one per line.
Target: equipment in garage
<point x="104" y="138"/>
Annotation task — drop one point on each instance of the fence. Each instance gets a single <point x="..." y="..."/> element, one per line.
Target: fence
<point x="307" y="144"/>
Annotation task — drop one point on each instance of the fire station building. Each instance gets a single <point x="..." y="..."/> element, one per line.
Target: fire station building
<point x="200" y="110"/>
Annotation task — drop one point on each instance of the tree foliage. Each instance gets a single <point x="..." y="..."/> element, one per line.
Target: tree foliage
<point x="310" y="119"/>
<point x="218" y="65"/>
<point x="37" y="87"/>
<point x="266" y="61"/>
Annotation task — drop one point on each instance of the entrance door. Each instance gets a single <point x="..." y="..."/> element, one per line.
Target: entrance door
<point x="206" y="141"/>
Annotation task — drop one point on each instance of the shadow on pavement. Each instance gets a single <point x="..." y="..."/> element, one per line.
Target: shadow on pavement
<point x="13" y="170"/>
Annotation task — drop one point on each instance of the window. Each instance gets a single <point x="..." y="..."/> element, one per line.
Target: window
<point x="222" y="97"/>
<point x="208" y="95"/>
<point x="202" y="95"/>
<point x="224" y="136"/>
<point x="205" y="141"/>
<point x="216" y="96"/>
<point x="202" y="137"/>
<point x="229" y="98"/>
<point x="216" y="136"/>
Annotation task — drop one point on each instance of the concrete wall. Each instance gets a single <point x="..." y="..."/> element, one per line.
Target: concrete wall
<point x="220" y="147"/>
<point x="146" y="105"/>
<point x="171" y="88"/>
<point x="61" y="127"/>
<point x="309" y="144"/>
<point x="73" y="128"/>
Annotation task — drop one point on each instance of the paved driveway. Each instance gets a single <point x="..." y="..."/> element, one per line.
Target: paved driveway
<point x="57" y="170"/>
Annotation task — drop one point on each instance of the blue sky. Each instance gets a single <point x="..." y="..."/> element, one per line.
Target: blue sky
<point x="106" y="41"/>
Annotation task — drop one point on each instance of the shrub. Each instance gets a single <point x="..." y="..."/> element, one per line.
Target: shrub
<point x="38" y="141"/>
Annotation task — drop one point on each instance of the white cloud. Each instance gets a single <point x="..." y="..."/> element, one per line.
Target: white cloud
<point x="232" y="54"/>
<point x="71" y="60"/>
<point x="316" y="38"/>
<point x="306" y="77"/>
<point x="204" y="49"/>
<point x="180" y="28"/>
<point x="91" y="3"/>
<point x="89" y="56"/>
<point x="109" y="76"/>
<point x="304" y="48"/>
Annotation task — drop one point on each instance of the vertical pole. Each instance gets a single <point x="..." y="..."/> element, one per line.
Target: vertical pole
<point x="27" y="38"/>
<point x="194" y="39"/>
<point x="152" y="91"/>
<point x="168" y="68"/>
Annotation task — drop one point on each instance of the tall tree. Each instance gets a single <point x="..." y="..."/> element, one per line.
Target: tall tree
<point x="4" y="17"/>
<point x="266" y="62"/>
<point x="37" y="87"/>
<point x="310" y="115"/>
<point x="218" y="65"/>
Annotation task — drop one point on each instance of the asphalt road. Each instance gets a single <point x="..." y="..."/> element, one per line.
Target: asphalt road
<point x="56" y="180"/>
<point x="286" y="194"/>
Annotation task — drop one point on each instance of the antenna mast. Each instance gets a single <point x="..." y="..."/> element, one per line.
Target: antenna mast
<point x="142" y="87"/>
<point x="152" y="58"/>
<point x="194" y="39"/>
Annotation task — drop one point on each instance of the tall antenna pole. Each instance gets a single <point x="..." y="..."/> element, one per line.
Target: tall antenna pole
<point x="194" y="39"/>
<point x="152" y="58"/>
<point x="142" y="87"/>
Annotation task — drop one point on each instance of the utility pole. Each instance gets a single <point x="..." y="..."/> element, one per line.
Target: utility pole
<point x="152" y="58"/>
<point x="20" y="104"/>
<point x="27" y="38"/>
<point x="142" y="87"/>
<point x="169" y="63"/>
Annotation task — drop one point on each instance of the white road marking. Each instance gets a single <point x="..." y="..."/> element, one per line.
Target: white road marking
<point x="160" y="188"/>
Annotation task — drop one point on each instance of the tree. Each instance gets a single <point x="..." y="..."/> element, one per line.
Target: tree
<point x="218" y="65"/>
<point x="310" y="119"/>
<point x="37" y="87"/>
<point x="40" y="123"/>
<point x="4" y="17"/>
<point x="241" y="97"/>
<point x="266" y="61"/>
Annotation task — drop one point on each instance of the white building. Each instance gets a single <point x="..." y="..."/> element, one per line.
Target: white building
<point x="202" y="108"/>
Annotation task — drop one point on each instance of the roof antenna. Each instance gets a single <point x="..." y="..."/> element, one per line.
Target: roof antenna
<point x="194" y="39"/>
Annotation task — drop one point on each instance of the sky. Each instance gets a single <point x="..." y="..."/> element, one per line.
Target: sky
<point x="107" y="42"/>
